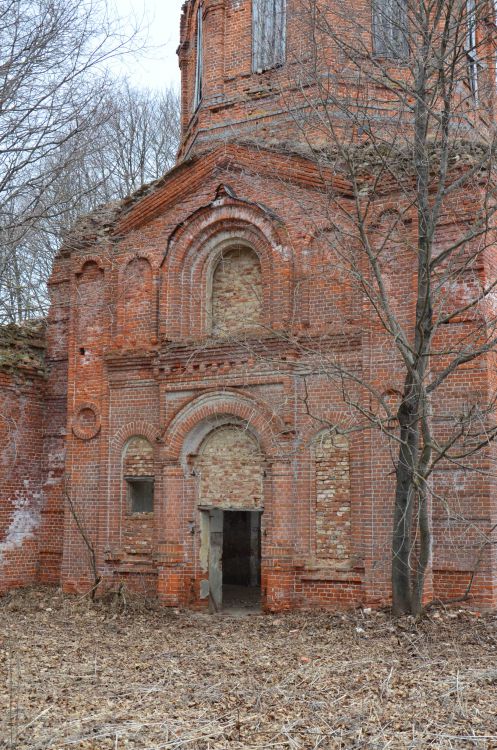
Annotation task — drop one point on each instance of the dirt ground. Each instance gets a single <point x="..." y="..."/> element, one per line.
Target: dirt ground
<point x="77" y="675"/>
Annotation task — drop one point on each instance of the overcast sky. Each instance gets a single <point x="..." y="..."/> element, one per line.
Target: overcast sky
<point x="159" y="67"/>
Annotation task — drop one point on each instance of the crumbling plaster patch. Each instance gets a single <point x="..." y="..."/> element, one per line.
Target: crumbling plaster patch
<point x="26" y="518"/>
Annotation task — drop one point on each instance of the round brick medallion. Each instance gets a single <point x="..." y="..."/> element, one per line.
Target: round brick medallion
<point x="86" y="423"/>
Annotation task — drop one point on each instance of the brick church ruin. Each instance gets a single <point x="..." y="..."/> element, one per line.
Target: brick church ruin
<point x="168" y="418"/>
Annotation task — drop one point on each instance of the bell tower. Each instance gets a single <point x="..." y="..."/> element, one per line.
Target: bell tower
<point x="255" y="70"/>
<point x="233" y="58"/>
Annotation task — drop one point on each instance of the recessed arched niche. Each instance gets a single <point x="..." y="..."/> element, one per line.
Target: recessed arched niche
<point x="91" y="322"/>
<point x="138" y="309"/>
<point x="236" y="294"/>
<point x="138" y="475"/>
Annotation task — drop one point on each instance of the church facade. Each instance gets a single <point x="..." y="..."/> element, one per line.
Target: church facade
<point x="185" y="438"/>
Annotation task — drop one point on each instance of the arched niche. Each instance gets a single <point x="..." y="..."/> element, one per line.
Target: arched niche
<point x="396" y="258"/>
<point x="193" y="249"/>
<point x="89" y="306"/>
<point x="235" y="291"/>
<point x="138" y="308"/>
<point x="138" y="475"/>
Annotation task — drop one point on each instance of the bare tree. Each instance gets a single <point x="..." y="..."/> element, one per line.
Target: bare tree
<point x="402" y="109"/>
<point x="54" y="95"/>
<point x="132" y="141"/>
<point x="139" y="140"/>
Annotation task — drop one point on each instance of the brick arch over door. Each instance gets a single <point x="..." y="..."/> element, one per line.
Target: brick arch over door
<point x="190" y="426"/>
<point x="195" y="248"/>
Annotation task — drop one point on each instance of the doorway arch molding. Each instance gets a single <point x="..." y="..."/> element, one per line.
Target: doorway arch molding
<point x="204" y="413"/>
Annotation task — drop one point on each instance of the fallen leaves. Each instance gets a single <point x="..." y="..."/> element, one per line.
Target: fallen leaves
<point x="82" y="676"/>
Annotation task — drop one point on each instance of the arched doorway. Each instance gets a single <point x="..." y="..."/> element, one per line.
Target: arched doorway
<point x="229" y="471"/>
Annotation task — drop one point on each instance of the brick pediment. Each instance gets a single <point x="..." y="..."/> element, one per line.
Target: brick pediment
<point x="185" y="178"/>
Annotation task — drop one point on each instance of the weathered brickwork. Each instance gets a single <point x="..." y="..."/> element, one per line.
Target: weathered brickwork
<point x="257" y="106"/>
<point x="137" y="322"/>
<point x="138" y="458"/>
<point x="22" y="391"/>
<point x="187" y="344"/>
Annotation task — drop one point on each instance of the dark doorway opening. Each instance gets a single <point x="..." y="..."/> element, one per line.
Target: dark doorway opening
<point x="241" y="563"/>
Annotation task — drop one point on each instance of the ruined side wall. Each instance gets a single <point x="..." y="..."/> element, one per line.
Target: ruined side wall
<point x="22" y="392"/>
<point x="55" y="430"/>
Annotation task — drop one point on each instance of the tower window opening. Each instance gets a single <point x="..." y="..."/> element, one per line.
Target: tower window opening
<point x="268" y="34"/>
<point x="390" y="29"/>
<point x="199" y="60"/>
<point x="470" y="48"/>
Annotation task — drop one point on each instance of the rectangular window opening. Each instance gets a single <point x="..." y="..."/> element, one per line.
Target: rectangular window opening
<point x="470" y="47"/>
<point x="268" y="34"/>
<point x="140" y="494"/>
<point x="390" y="29"/>
<point x="199" y="61"/>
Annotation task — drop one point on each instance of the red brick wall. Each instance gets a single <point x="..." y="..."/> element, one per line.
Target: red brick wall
<point x="22" y="498"/>
<point x="88" y="333"/>
<point x="326" y="539"/>
<point x="200" y="405"/>
<point x="33" y="414"/>
<point x="55" y="427"/>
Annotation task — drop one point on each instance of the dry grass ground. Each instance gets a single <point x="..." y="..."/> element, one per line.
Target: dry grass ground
<point x="76" y="675"/>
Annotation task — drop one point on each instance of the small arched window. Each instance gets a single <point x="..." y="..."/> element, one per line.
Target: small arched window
<point x="138" y="470"/>
<point x="236" y="302"/>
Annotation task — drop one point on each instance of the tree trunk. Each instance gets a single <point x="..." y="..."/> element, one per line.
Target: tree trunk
<point x="424" y="553"/>
<point x="403" y="512"/>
